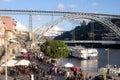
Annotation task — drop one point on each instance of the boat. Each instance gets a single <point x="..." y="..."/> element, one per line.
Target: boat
<point x="83" y="53"/>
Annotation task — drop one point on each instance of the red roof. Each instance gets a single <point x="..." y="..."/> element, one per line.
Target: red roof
<point x="8" y="22"/>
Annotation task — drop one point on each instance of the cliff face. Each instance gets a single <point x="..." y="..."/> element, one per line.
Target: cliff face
<point x="93" y="30"/>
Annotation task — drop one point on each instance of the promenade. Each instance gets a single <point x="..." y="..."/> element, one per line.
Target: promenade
<point x="42" y="71"/>
<point x="45" y="68"/>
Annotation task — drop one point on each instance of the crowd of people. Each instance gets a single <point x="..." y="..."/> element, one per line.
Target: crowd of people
<point x="53" y="70"/>
<point x="45" y="68"/>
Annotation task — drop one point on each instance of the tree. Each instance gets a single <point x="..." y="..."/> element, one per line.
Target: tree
<point x="83" y="23"/>
<point x="55" y="48"/>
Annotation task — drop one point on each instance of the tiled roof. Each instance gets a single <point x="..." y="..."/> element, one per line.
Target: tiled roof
<point x="8" y="22"/>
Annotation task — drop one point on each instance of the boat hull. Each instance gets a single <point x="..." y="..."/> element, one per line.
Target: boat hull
<point x="77" y="57"/>
<point x="83" y="53"/>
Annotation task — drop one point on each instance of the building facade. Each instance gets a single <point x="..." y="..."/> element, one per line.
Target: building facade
<point x="7" y="33"/>
<point x="7" y="29"/>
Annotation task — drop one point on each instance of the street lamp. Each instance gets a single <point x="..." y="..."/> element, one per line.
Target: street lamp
<point x="6" y="51"/>
<point x="108" y="58"/>
<point x="6" y="42"/>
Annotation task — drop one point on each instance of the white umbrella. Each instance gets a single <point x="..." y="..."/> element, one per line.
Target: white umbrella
<point x="13" y="41"/>
<point x="24" y="50"/>
<point x="10" y="63"/>
<point x="23" y="62"/>
<point x="69" y="65"/>
<point x="18" y="54"/>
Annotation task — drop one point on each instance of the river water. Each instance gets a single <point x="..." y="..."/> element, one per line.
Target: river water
<point x="95" y="64"/>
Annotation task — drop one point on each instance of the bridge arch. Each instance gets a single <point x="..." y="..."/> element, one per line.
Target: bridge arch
<point x="48" y="26"/>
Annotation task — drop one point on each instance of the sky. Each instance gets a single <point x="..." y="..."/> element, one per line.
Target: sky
<point x="87" y="6"/>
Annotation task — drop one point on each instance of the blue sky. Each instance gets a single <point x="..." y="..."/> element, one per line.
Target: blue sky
<point x="89" y="6"/>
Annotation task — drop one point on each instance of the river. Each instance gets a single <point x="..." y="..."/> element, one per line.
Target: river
<point x="101" y="61"/>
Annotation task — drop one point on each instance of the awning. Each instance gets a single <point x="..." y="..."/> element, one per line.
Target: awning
<point x="10" y="63"/>
<point x="69" y="65"/>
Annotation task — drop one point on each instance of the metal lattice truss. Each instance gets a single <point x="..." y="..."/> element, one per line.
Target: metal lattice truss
<point x="102" y="18"/>
<point x="46" y="27"/>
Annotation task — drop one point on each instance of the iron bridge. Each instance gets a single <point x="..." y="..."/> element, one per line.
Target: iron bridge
<point x="102" y="18"/>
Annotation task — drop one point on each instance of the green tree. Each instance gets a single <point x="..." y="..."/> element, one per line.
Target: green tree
<point x="83" y="23"/>
<point x="55" y="48"/>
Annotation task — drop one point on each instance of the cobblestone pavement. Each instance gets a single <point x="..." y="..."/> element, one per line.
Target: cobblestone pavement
<point x="25" y="77"/>
<point x="45" y="67"/>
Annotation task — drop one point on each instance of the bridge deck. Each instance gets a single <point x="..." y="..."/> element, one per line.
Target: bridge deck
<point x="93" y="41"/>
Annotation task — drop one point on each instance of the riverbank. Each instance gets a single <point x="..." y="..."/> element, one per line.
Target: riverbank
<point x="48" y="69"/>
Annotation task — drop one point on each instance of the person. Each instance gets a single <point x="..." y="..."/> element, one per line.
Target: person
<point x="43" y="74"/>
<point x="67" y="74"/>
<point x="37" y="78"/>
<point x="75" y="73"/>
<point x="90" y="78"/>
<point x="14" y="79"/>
